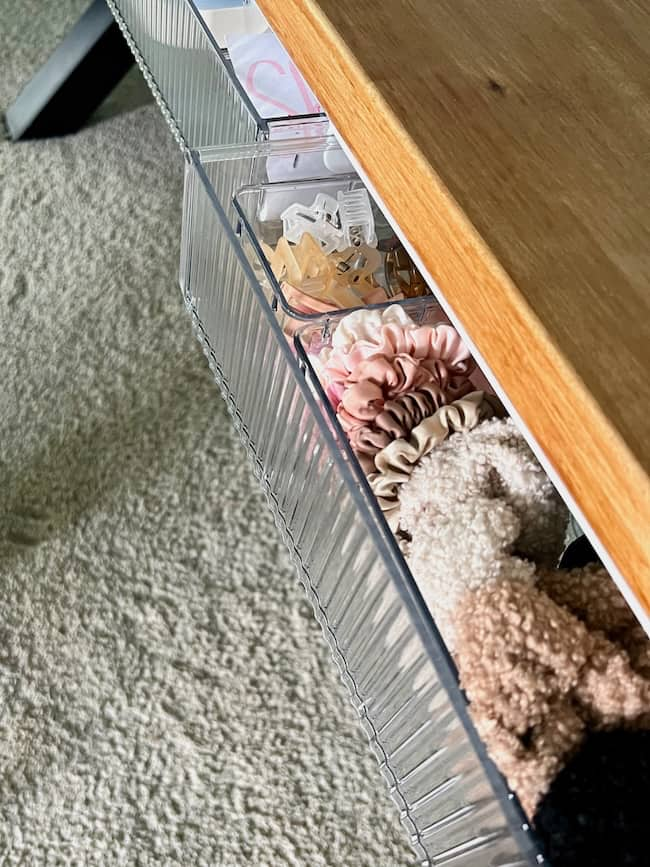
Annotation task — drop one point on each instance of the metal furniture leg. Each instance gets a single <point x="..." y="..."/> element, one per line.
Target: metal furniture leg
<point x="90" y="61"/>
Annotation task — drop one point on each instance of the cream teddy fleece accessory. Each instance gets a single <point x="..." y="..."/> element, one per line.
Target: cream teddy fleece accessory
<point x="478" y="507"/>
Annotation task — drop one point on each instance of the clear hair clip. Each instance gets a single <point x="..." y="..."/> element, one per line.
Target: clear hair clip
<point x="356" y="218"/>
<point x="320" y="221"/>
<point x="336" y="224"/>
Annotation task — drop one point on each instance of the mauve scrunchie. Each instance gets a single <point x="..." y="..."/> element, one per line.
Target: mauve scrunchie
<point x="396" y="421"/>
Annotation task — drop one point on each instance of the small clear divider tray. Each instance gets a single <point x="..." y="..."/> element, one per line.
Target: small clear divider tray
<point x="238" y="177"/>
<point x="453" y="804"/>
<point x="193" y="79"/>
<point x="362" y="272"/>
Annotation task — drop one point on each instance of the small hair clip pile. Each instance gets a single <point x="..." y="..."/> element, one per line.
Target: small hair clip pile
<point x="336" y="224"/>
<point x="328" y="258"/>
<point x="317" y="282"/>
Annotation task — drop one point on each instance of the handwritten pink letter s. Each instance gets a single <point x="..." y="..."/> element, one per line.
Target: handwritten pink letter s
<point x="311" y="106"/>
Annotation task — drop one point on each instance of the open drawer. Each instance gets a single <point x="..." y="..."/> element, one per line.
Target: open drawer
<point x="454" y="806"/>
<point x="192" y="78"/>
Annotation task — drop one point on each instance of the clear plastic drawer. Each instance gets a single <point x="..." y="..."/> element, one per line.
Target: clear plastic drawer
<point x="192" y="78"/>
<point x="454" y="806"/>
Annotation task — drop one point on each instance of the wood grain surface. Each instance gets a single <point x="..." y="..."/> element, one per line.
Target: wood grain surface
<point x="511" y="141"/>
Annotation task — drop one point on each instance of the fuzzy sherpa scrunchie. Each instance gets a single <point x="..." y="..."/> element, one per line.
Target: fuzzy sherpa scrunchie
<point x="537" y="677"/>
<point x="479" y="506"/>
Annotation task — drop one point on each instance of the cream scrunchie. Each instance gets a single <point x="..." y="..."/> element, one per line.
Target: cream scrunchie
<point x="396" y="461"/>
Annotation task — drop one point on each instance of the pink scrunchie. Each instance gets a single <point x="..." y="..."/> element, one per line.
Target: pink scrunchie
<point x="376" y="380"/>
<point x="379" y="380"/>
<point x="437" y="348"/>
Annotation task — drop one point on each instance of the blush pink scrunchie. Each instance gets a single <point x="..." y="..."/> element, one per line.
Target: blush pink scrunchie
<point x="433" y="347"/>
<point x="377" y="380"/>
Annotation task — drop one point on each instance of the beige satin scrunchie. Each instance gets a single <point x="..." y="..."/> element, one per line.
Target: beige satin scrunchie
<point x="396" y="461"/>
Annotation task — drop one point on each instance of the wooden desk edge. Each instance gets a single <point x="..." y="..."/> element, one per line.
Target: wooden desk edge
<point x="600" y="472"/>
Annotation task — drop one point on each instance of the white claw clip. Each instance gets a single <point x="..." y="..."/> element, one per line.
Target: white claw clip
<point x="355" y="218"/>
<point x="320" y="221"/>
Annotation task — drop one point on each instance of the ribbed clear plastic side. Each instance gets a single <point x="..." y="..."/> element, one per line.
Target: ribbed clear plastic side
<point x="229" y="169"/>
<point x="372" y="616"/>
<point x="185" y="69"/>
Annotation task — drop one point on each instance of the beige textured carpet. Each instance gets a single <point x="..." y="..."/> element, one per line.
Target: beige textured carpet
<point x="165" y="695"/>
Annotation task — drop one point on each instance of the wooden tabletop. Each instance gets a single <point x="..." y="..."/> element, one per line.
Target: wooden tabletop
<point x="510" y="140"/>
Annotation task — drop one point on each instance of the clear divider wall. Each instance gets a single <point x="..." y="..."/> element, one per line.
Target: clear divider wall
<point x="186" y="72"/>
<point x="190" y="76"/>
<point x="453" y="805"/>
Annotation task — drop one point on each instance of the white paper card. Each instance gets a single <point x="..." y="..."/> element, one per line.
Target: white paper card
<point x="269" y="76"/>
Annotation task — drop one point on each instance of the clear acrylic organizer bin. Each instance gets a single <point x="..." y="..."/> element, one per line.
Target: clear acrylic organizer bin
<point x="192" y="78"/>
<point x="453" y="804"/>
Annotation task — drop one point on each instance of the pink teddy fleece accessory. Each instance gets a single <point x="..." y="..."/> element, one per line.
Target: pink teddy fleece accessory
<point x="538" y="676"/>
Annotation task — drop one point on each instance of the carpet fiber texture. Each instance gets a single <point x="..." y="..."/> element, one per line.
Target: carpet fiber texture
<point x="165" y="694"/>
